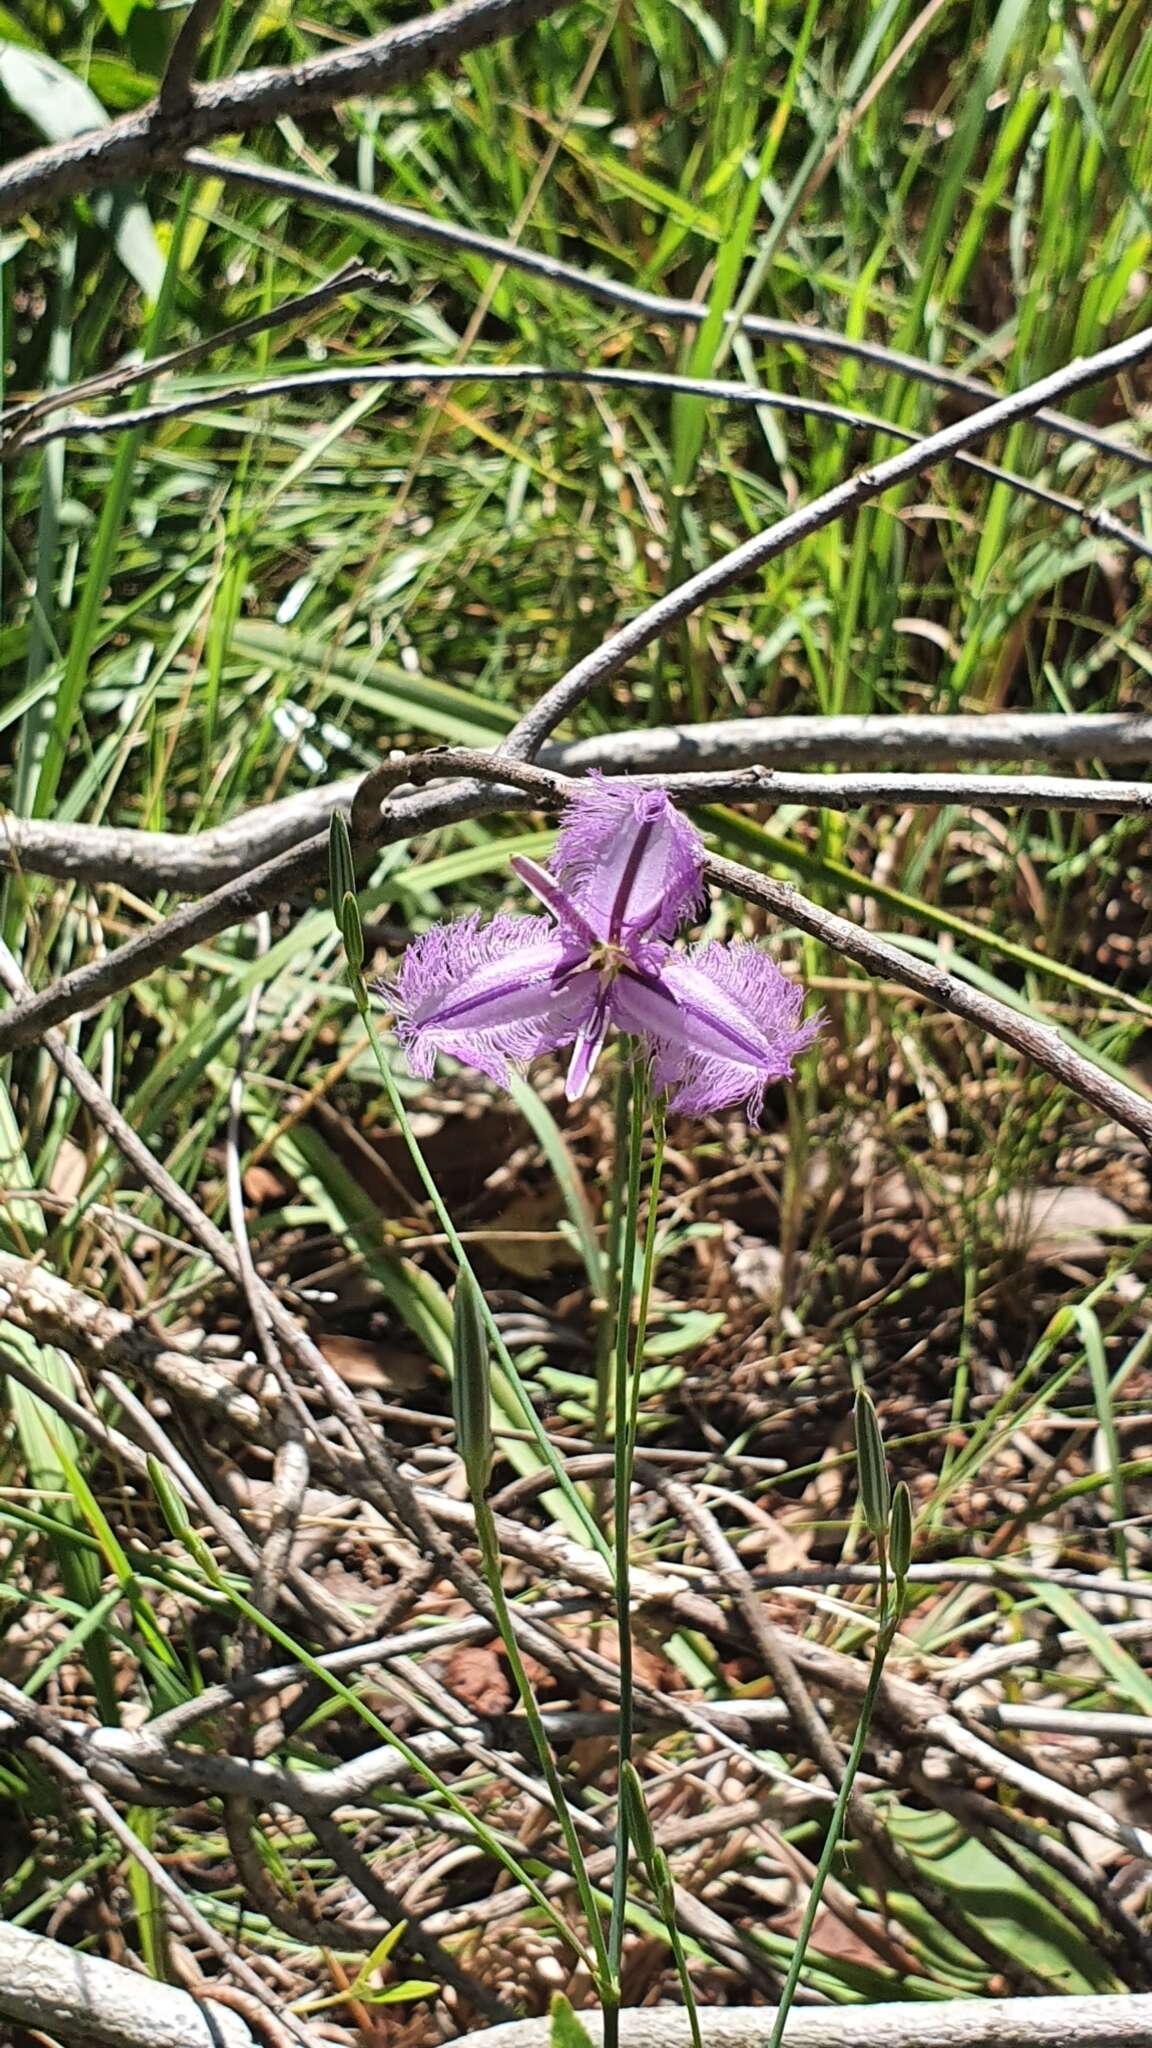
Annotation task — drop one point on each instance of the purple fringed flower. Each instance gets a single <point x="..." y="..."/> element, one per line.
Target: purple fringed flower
<point x="720" y="1021"/>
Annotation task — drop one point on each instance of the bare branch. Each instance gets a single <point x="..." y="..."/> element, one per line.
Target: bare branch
<point x="46" y="1985"/>
<point x="37" y="1300"/>
<point x="60" y="1990"/>
<point x="175" y="94"/>
<point x="913" y="740"/>
<point x="404" y="815"/>
<point x="863" y="1819"/>
<point x="1117" y="2022"/>
<point x="186" y="405"/>
<point x="379" y="1476"/>
<point x="145" y="141"/>
<point x="422" y="227"/>
<point x="1040" y="1043"/>
<point x="19" y="418"/>
<point x="282" y="2025"/>
<point x="608" y="659"/>
<point x="194" y="862"/>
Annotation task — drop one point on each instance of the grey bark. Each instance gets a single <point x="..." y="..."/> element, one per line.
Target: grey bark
<point x="159" y="134"/>
<point x="57" y="1990"/>
<point x="405" y="221"/>
<point x="191" y="863"/>
<point x="1120" y="2022"/>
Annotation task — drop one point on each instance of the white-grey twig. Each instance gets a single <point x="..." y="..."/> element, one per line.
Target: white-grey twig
<point x="142" y="142"/>
<point x="193" y="862"/>
<point x="63" y="1992"/>
<point x="1040" y="1042"/>
<point x="449" y="234"/>
<point x="614" y="653"/>
<point x="186" y="405"/>
<point x="1119" y="2022"/>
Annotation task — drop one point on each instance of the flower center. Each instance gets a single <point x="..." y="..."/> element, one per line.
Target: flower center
<point x="609" y="958"/>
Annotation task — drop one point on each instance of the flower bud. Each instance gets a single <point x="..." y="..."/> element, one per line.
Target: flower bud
<point x="634" y="1810"/>
<point x="900" y="1532"/>
<point x="341" y="866"/>
<point x="471" y="1384"/>
<point x="870" y="1465"/>
<point x="352" y="932"/>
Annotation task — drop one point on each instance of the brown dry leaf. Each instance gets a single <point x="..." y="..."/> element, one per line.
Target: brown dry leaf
<point x="826" y="1487"/>
<point x="782" y="1549"/>
<point x="262" y="1185"/>
<point x="361" y="1362"/>
<point x="830" y="1937"/>
<point x="69" y="1171"/>
<point x="1053" y="1224"/>
<point x="532" y="1256"/>
<point x="476" y="1676"/>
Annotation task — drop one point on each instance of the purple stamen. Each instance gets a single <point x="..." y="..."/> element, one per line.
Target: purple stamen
<point x="548" y="890"/>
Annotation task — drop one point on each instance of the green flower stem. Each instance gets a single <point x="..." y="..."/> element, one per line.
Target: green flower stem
<point x="681" y="1962"/>
<point x="490" y="1556"/>
<point x="646" y="1278"/>
<point x="625" y="1406"/>
<point x="604" y="1351"/>
<point x="665" y="1895"/>
<point x="889" y="1624"/>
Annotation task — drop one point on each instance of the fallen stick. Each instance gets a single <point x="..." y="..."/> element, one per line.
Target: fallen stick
<point x="57" y="1990"/>
<point x="977" y="2023"/>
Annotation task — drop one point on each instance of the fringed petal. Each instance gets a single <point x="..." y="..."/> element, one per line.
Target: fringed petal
<point x="489" y="995"/>
<point x="722" y="1022"/>
<point x="629" y="861"/>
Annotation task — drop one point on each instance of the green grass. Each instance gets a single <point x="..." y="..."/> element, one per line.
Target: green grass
<point x="219" y="610"/>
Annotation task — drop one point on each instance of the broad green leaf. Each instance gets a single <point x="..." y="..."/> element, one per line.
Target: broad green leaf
<point x="60" y="107"/>
<point x="417" y="703"/>
<point x="997" y="1899"/>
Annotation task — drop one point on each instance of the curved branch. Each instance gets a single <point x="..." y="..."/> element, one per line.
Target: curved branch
<point x="193" y="862"/>
<point x="166" y="128"/>
<point x="186" y="405"/>
<point x="423" y="227"/>
<point x="1040" y="1043"/>
<point x="266" y="885"/>
<point x="864" y="739"/>
<point x="403" y="816"/>
<point x="612" y="655"/>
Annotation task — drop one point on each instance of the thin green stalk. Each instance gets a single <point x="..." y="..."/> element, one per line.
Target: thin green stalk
<point x="646" y="1278"/>
<point x="681" y="1961"/>
<point x="490" y="1559"/>
<point x="622" y="1487"/>
<point x="604" y="1352"/>
<point x="889" y="1624"/>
